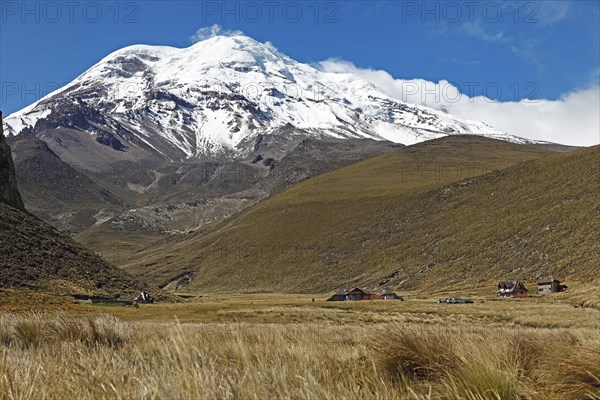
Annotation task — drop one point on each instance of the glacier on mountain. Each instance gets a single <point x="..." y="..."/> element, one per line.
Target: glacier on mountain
<point x="219" y="93"/>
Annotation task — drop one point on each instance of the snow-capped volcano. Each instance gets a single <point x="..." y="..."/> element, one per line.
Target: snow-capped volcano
<point x="219" y="95"/>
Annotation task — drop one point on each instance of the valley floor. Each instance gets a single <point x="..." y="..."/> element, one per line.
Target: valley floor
<point x="289" y="346"/>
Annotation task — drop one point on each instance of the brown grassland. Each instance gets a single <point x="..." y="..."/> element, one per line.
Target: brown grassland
<point x="269" y="346"/>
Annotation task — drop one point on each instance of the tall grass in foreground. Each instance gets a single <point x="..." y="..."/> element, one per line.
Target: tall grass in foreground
<point x="57" y="357"/>
<point x="492" y="363"/>
<point x="31" y="330"/>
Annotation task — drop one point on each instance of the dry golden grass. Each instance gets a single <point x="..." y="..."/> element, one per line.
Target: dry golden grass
<point x="281" y="346"/>
<point x="463" y="363"/>
<point x="583" y="296"/>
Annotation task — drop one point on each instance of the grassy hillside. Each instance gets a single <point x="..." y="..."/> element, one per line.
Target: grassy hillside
<point x="37" y="256"/>
<point x="393" y="221"/>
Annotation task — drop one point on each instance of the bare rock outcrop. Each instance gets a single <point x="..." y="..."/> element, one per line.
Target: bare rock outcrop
<point x="9" y="193"/>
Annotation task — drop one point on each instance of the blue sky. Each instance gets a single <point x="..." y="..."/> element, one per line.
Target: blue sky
<point x="481" y="45"/>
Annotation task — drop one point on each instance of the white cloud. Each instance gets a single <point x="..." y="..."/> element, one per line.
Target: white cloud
<point x="572" y="119"/>
<point x="211" y="31"/>
<point x="527" y="50"/>
<point x="548" y="12"/>
<point x="475" y="30"/>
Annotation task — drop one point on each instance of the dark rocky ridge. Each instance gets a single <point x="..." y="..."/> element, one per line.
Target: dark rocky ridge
<point x="39" y="257"/>
<point x="9" y="193"/>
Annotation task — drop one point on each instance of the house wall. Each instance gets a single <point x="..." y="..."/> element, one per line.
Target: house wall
<point x="544" y="289"/>
<point x="513" y="294"/>
<point x="550" y="287"/>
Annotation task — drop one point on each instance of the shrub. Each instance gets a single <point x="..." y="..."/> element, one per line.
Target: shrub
<point x="483" y="376"/>
<point x="99" y="331"/>
<point x="415" y="353"/>
<point x="28" y="332"/>
<point x="106" y="331"/>
<point x="581" y="372"/>
<point x="5" y="335"/>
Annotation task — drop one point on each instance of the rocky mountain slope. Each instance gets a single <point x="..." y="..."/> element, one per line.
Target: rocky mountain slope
<point x="442" y="214"/>
<point x="37" y="256"/>
<point x="57" y="192"/>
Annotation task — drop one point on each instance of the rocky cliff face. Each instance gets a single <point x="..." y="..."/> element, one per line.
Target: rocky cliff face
<point x="9" y="193"/>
